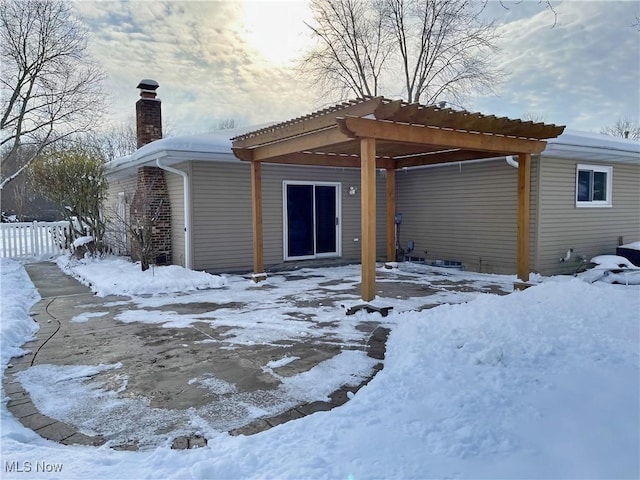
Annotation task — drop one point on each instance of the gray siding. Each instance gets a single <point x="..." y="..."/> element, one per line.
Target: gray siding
<point x="589" y="231"/>
<point x="464" y="211"/>
<point x="117" y="226"/>
<point x="222" y="213"/>
<point x="468" y="212"/>
<point x="128" y="186"/>
<point x="175" y="186"/>
<point x="274" y="175"/>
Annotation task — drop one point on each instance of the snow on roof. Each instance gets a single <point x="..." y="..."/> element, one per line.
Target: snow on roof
<point x="216" y="147"/>
<point x="588" y="146"/>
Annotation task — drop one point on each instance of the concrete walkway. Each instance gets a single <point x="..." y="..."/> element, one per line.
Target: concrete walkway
<point x="155" y="361"/>
<point x="53" y="286"/>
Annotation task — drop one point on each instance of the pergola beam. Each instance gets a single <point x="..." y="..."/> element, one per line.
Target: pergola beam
<point x="326" y="160"/>
<point x="444" y="157"/>
<point x="398" y="132"/>
<point x="309" y="123"/>
<point x="321" y="138"/>
<point x="387" y="110"/>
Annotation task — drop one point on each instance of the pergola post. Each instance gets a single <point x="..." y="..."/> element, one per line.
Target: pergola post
<point x="391" y="214"/>
<point x="368" y="217"/>
<point x="256" y="211"/>
<point x="524" y="187"/>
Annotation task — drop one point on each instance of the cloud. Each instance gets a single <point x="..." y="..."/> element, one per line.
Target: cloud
<point x="198" y="53"/>
<point x="584" y="72"/>
<point x="218" y="60"/>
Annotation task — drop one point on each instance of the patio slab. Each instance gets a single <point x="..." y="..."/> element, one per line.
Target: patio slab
<point x="155" y="361"/>
<point x="158" y="363"/>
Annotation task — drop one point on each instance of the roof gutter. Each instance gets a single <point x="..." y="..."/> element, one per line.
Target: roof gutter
<point x="511" y="160"/>
<point x="186" y="184"/>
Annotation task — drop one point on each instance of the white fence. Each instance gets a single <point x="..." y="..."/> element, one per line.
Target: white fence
<point x="32" y="239"/>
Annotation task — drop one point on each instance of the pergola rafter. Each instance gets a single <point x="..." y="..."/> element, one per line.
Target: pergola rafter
<point x="378" y="133"/>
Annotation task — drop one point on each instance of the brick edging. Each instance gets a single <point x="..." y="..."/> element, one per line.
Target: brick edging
<point x="376" y="348"/>
<point x="20" y="404"/>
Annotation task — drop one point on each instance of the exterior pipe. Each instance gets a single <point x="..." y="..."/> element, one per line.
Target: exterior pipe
<point x="187" y="210"/>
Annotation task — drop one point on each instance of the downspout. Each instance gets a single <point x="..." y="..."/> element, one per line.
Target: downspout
<point x="511" y="160"/>
<point x="187" y="210"/>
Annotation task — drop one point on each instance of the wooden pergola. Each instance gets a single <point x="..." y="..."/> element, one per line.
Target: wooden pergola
<point x="378" y="133"/>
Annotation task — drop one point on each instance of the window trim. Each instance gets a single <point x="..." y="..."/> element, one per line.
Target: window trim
<point x="608" y="202"/>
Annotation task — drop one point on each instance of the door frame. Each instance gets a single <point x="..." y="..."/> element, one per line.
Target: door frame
<point x="285" y="223"/>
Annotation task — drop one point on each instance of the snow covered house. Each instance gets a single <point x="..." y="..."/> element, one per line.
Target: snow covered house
<point x="583" y="195"/>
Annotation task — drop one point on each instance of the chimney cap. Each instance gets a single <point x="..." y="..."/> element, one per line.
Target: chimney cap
<point x="148" y="84"/>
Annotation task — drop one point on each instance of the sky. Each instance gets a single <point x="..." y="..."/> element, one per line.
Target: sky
<point x="220" y="60"/>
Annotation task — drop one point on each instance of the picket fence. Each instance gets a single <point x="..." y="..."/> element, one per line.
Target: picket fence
<point x="32" y="239"/>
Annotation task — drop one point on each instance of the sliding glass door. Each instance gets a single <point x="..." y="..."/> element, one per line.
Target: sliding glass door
<point x="311" y="220"/>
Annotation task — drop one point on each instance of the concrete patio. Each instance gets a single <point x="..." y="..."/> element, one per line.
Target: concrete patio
<point x="157" y="360"/>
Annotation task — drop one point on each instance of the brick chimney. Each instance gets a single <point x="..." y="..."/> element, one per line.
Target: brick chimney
<point x="150" y="209"/>
<point x="148" y="113"/>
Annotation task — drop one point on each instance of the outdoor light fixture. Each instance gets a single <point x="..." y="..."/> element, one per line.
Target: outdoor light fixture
<point x="353" y="190"/>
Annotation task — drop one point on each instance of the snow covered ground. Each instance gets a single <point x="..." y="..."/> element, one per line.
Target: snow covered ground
<point x="542" y="383"/>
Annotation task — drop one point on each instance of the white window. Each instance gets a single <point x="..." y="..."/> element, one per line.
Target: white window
<point x="593" y="186"/>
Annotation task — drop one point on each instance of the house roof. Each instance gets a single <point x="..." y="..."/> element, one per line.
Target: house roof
<point x="593" y="147"/>
<point x="217" y="146"/>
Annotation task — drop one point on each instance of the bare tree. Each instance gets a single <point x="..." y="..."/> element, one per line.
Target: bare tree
<point x="227" y="124"/>
<point x="623" y="128"/>
<point x="352" y="46"/>
<point x="118" y="141"/>
<point x="19" y="199"/>
<point x="444" y="48"/>
<point x="533" y="117"/>
<point x="50" y="87"/>
<point x="440" y="48"/>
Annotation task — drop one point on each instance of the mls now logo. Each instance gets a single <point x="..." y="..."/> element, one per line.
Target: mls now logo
<point x="27" y="467"/>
